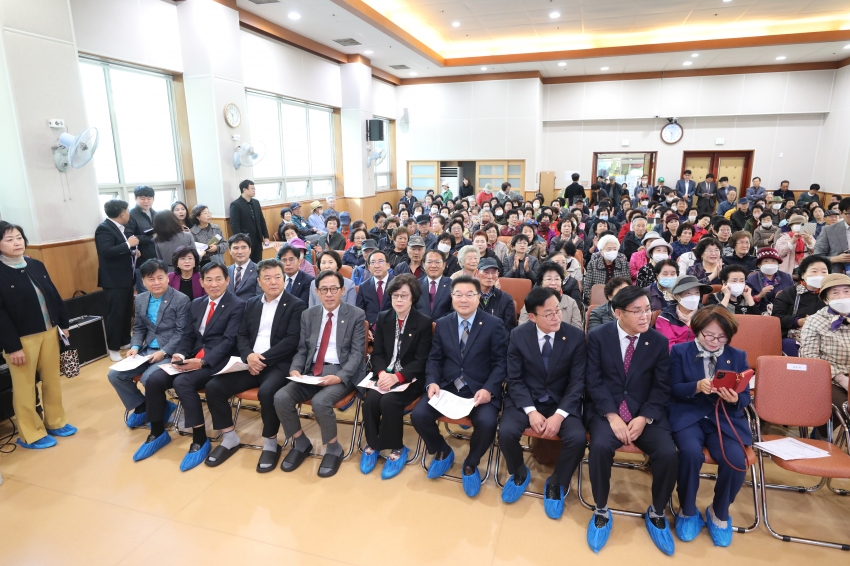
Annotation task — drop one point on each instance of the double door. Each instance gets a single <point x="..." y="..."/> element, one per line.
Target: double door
<point x="736" y="165"/>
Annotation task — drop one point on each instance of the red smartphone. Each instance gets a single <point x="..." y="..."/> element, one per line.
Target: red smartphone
<point x="735" y="381"/>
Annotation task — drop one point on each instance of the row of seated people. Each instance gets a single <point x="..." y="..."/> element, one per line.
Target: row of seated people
<point x="649" y="396"/>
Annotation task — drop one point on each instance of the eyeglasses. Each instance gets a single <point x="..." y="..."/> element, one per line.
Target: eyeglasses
<point x="400" y="296"/>
<point x="326" y="290"/>
<point x="290" y="259"/>
<point x="549" y="314"/>
<point x="377" y="262"/>
<point x="640" y="314"/>
<point x="469" y="296"/>
<point x="553" y="280"/>
<point x="434" y="262"/>
<point x="720" y="339"/>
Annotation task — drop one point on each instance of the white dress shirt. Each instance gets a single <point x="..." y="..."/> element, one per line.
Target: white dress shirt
<point x="264" y="334"/>
<point x="541" y="340"/>
<point x="288" y="278"/>
<point x="384" y="286"/>
<point x="331" y="355"/>
<point x="203" y="325"/>
<point x="236" y="268"/>
<point x="121" y="229"/>
<point x="624" y="340"/>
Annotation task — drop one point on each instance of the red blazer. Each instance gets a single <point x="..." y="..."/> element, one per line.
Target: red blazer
<point x="197" y="290"/>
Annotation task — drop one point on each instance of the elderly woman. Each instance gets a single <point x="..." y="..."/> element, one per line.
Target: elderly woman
<point x="398" y="250"/>
<point x="186" y="276"/>
<point x="691" y="412"/>
<point x="205" y="232"/>
<point x="684" y="240"/>
<point x="604" y="265"/>
<point x="795" y="245"/>
<point x="708" y="263"/>
<point x="638" y="260"/>
<point x="767" y="281"/>
<point x="537" y="245"/>
<point x="353" y="256"/>
<point x="567" y="227"/>
<point x="656" y="252"/>
<point x="30" y="309"/>
<point x="660" y="290"/>
<point x="551" y="275"/>
<point x="402" y="345"/>
<point x="499" y="247"/>
<point x="674" y="322"/>
<point x="468" y="258"/>
<point x="329" y="260"/>
<point x="795" y="304"/>
<point x="479" y="240"/>
<point x="520" y="265"/>
<point x="742" y="246"/>
<point x="571" y="285"/>
<point x="735" y="294"/>
<point x="603" y="314"/>
<point x="169" y="236"/>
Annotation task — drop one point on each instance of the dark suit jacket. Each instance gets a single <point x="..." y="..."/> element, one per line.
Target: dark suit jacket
<point x="414" y="349"/>
<point x="687" y="406"/>
<point x="219" y="337"/>
<point x="367" y="299"/>
<point x="442" y="300"/>
<point x="350" y="342"/>
<point x="301" y="286"/>
<point x="141" y="227"/>
<point x="528" y="379"/>
<point x="241" y="221"/>
<point x="682" y="185"/>
<point x="483" y="365"/>
<point x="646" y="388"/>
<point x="501" y="305"/>
<point x="286" y="328"/>
<point x="249" y="287"/>
<point x="114" y="260"/>
<point x="832" y="242"/>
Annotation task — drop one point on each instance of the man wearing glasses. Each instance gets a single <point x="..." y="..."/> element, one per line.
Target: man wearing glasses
<point x="834" y="241"/>
<point x="467" y="359"/>
<point x="296" y="282"/>
<point x="436" y="298"/>
<point x="372" y="297"/>
<point x="627" y="392"/>
<point x="331" y="346"/>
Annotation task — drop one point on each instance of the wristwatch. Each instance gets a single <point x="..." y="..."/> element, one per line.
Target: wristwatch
<point x="204" y="363"/>
<point x="648" y="420"/>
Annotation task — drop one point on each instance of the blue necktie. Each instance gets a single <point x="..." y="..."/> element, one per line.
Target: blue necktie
<point x="289" y="284"/>
<point x="546" y="352"/>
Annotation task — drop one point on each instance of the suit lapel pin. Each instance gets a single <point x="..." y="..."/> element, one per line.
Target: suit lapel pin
<point x="728" y="361"/>
<point x="410" y="335"/>
<point x="480" y="323"/>
<point x="563" y="337"/>
<point x="342" y="322"/>
<point x="646" y="343"/>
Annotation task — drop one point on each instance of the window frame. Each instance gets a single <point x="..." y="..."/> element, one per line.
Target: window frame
<point x="123" y="189"/>
<point x="282" y="180"/>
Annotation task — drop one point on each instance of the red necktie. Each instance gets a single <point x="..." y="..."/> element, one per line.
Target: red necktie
<point x="323" y="346"/>
<point x="200" y="353"/>
<point x="380" y="294"/>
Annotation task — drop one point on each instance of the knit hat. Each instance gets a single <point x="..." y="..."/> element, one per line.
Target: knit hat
<point x="797" y="219"/>
<point x="767" y="253"/>
<point x="670" y="216"/>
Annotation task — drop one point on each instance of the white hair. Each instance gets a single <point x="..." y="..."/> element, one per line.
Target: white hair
<point x="605" y="240"/>
<point x="464" y="251"/>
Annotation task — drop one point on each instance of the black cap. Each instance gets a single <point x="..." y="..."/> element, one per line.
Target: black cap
<point x="487" y="263"/>
<point x="423" y="219"/>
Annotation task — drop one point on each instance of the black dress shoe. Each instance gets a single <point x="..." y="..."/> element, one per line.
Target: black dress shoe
<point x="442" y="455"/>
<point x="600" y="521"/>
<point x="294" y="459"/>
<point x="658" y="522"/>
<point x="270" y="458"/>
<point x="329" y="466"/>
<point x="553" y="491"/>
<point x="194" y="447"/>
<point x="469" y="470"/>
<point x="517" y="479"/>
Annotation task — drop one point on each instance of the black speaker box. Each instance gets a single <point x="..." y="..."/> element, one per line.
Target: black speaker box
<point x="375" y="130"/>
<point x="82" y="304"/>
<point x="88" y="336"/>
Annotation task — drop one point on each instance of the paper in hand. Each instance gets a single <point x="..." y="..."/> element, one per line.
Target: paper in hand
<point x="367" y="383"/>
<point x="130" y="362"/>
<point x="451" y="405"/>
<point x="233" y="365"/>
<point x="306" y="379"/>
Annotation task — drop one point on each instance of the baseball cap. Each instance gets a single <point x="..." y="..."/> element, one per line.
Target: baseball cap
<point x="344" y="219"/>
<point x="423" y="219"/>
<point x="416" y="241"/>
<point x="369" y="244"/>
<point x="487" y="263"/>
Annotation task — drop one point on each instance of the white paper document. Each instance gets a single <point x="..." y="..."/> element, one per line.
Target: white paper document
<point x="791" y="449"/>
<point x="451" y="405"/>
<point x="173" y="370"/>
<point x="367" y="383"/>
<point x="130" y="362"/>
<point x="233" y="365"/>
<point x="306" y="379"/>
<point x="201" y="247"/>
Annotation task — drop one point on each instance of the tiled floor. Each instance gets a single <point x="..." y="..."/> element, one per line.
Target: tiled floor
<point x="86" y="502"/>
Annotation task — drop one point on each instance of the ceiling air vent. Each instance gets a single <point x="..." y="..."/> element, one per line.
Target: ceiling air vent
<point x="265" y="1"/>
<point x="399" y="67"/>
<point x="347" y="42"/>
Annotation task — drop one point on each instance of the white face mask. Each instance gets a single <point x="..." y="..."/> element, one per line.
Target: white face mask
<point x="692" y="218"/>
<point x="659" y="256"/>
<point x="536" y="204"/>
<point x="603" y="217"/>
<point x="776" y="206"/>
<point x="840" y="305"/>
<point x="768" y="224"/>
<point x="691" y="302"/>
<point x="610" y="256"/>
<point x="388" y="211"/>
<point x="499" y="213"/>
<point x="796" y="228"/>
<point x="769" y="268"/>
<point x="445" y="248"/>
<point x="814" y="281"/>
<point x="737" y="289"/>
<point x="644" y="202"/>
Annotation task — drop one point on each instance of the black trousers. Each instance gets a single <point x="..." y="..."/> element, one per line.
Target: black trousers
<point x="119" y="308"/>
<point x="484" y="420"/>
<point x="572" y="436"/>
<point x="654" y="441"/>
<point x="383" y="417"/>
<point x="186" y="385"/>
<point x="256" y="249"/>
<point x="222" y="387"/>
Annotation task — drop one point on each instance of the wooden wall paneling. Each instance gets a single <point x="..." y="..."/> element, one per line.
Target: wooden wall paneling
<point x="72" y="265"/>
<point x="184" y="142"/>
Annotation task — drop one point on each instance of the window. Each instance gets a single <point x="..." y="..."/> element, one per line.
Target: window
<point x="497" y="172"/>
<point x="383" y="169"/>
<point x="299" y="160"/>
<point x="133" y="111"/>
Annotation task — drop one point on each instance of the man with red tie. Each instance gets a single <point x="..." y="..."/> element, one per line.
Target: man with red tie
<point x="331" y="346"/>
<point x="204" y="350"/>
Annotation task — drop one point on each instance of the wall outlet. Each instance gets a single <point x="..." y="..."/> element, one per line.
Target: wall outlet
<point x="56" y="123"/>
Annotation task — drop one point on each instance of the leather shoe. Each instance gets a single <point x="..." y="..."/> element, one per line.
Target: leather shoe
<point x="553" y="498"/>
<point x="329" y="466"/>
<point x="294" y="459"/>
<point x="270" y="458"/>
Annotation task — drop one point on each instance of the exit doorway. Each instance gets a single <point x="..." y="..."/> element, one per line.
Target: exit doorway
<point x="736" y="165"/>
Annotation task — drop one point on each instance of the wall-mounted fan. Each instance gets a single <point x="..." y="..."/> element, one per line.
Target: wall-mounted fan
<point x="376" y="157"/>
<point x="75" y="151"/>
<point x="248" y="154"/>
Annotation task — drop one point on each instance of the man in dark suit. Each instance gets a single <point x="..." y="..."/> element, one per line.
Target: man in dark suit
<point x="706" y="192"/>
<point x="685" y="187"/>
<point x="140" y="223"/>
<point x="267" y="341"/>
<point x="723" y="187"/>
<point x="372" y="297"/>
<point x="296" y="282"/>
<point x="204" y="350"/>
<point x="574" y="190"/>
<point x="467" y="359"/>
<point x="436" y="297"/>
<point x="246" y="217"/>
<point x="116" y="256"/>
<point x="546" y="365"/>
<point x="243" y="272"/>
<point x="833" y="241"/>
<point x="408" y="199"/>
<point x="495" y="302"/>
<point x="628" y="386"/>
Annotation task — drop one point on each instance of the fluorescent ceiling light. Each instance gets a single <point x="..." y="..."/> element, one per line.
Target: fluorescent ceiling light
<point x="554" y="15"/>
<point x="686" y="63"/>
<point x="562" y="64"/>
<point x="483" y="68"/>
<point x="455" y="24"/>
<point x="368" y="52"/>
<point x="781" y="58"/>
<point x="694" y="54"/>
<point x="847" y="46"/>
<point x="294" y="16"/>
<point x="412" y="73"/>
<point x="603" y="68"/>
<point x="727" y="0"/>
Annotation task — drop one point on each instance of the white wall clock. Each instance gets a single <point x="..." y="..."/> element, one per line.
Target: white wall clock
<point x="232" y="115"/>
<point x="672" y="133"/>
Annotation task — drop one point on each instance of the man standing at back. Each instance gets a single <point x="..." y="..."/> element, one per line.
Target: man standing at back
<point x="574" y="190"/>
<point x="140" y="225"/>
<point x="685" y="188"/>
<point x="246" y="217"/>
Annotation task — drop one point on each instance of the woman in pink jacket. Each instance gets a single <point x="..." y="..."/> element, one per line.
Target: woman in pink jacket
<point x="639" y="258"/>
<point x="674" y="322"/>
<point x="795" y="245"/>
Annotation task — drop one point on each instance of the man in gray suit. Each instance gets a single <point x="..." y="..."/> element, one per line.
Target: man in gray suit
<point x="834" y="241"/>
<point x="243" y="273"/>
<point x="331" y="346"/>
<point x="162" y="314"/>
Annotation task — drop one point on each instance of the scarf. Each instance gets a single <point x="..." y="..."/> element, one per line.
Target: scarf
<point x="799" y="251"/>
<point x="837" y="321"/>
<point x="13" y="262"/>
<point x="485" y="297"/>
<point x="712" y="358"/>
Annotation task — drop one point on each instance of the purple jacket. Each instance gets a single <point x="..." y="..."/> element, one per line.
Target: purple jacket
<point x="197" y="290"/>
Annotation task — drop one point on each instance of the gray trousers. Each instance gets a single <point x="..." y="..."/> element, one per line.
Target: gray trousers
<point x="322" y="400"/>
<point x="123" y="383"/>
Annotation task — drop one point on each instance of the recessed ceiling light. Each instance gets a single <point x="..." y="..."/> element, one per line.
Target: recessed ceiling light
<point x="455" y="24"/>
<point x="694" y="54"/>
<point x="483" y="68"/>
<point x="686" y="63"/>
<point x="727" y="0"/>
<point x="368" y="52"/>
<point x="294" y="16"/>
<point x="562" y="64"/>
<point x="554" y="15"/>
<point x="847" y="46"/>
<point x="781" y="58"/>
<point x="603" y="68"/>
<point x="412" y="73"/>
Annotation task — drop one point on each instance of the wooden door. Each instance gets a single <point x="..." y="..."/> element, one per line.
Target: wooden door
<point x="700" y="166"/>
<point x="732" y="167"/>
<point x="736" y="165"/>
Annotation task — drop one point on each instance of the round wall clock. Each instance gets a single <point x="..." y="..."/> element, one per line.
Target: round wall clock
<point x="232" y="115"/>
<point x="672" y="133"/>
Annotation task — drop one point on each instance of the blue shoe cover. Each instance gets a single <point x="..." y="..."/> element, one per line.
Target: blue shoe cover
<point x="596" y="537"/>
<point x="193" y="459"/>
<point x="392" y="468"/>
<point x="67" y="430"/>
<point x="720" y="537"/>
<point x="368" y="461"/>
<point x="136" y="419"/>
<point x="147" y="449"/>
<point x="554" y="507"/>
<point x="512" y="492"/>
<point x="472" y="483"/>
<point x="687" y="528"/>
<point x="440" y="467"/>
<point x="43" y="442"/>
<point x="662" y="538"/>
